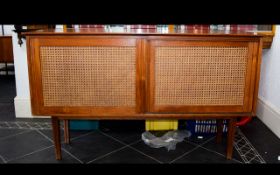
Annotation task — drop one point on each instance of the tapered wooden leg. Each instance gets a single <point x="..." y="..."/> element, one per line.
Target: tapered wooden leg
<point x="219" y="130"/>
<point x="66" y="131"/>
<point x="230" y="137"/>
<point x="56" y="137"/>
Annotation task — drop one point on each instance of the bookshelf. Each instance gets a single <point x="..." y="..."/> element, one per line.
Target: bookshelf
<point x="267" y="30"/>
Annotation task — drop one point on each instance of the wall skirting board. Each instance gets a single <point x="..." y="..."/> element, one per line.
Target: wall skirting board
<point x="23" y="108"/>
<point x="269" y="115"/>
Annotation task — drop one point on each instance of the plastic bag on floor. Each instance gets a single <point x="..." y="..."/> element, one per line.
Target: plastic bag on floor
<point x="168" y="140"/>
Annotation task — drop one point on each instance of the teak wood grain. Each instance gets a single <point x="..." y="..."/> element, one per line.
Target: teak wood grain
<point x="144" y="75"/>
<point x="145" y="108"/>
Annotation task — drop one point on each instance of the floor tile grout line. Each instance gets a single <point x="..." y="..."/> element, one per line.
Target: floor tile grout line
<point x="105" y="155"/>
<point x="19" y="127"/>
<point x="3" y="159"/>
<point x="130" y="147"/>
<point x="186" y="153"/>
<point x="207" y="141"/>
<point x="7" y="124"/>
<point x="194" y="144"/>
<point x="74" y="138"/>
<point x="4" y="138"/>
<point x="250" y="144"/>
<point x="63" y="149"/>
<point x="112" y="138"/>
<point x="46" y="137"/>
<point x="142" y="152"/>
<point x="36" y="151"/>
<point x="219" y="153"/>
<point x="120" y="140"/>
<point x="36" y="124"/>
<point x="100" y="157"/>
<point x="197" y="146"/>
<point x="28" y="125"/>
<point x="123" y="142"/>
<point x="145" y="154"/>
<point x="22" y="128"/>
<point x="210" y="149"/>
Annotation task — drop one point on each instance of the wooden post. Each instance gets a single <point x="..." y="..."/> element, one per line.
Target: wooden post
<point x="56" y="137"/>
<point x="66" y="131"/>
<point x="219" y="130"/>
<point x="230" y="135"/>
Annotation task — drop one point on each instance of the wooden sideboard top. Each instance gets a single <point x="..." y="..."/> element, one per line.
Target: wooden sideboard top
<point x="153" y="32"/>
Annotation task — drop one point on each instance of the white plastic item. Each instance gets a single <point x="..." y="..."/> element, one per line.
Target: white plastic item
<point x="168" y="140"/>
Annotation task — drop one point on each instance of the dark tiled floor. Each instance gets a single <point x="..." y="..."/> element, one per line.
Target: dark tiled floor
<point x="201" y="155"/>
<point x="125" y="136"/>
<point x="7" y="111"/>
<point x="92" y="146"/>
<point x="220" y="148"/>
<point x="5" y="133"/>
<point x="267" y="143"/>
<point x="22" y="144"/>
<point x="45" y="156"/>
<point x="35" y="146"/>
<point x="73" y="134"/>
<point x="7" y="88"/>
<point x="124" y="156"/>
<point x="162" y="154"/>
<point x="119" y="144"/>
<point x="7" y="95"/>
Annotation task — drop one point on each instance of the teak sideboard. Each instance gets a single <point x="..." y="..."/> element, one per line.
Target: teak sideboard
<point x="143" y="74"/>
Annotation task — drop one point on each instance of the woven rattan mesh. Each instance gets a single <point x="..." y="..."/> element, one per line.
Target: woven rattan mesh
<point x="195" y="75"/>
<point x="88" y="76"/>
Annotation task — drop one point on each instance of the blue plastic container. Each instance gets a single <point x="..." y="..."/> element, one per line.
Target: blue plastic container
<point x="83" y="125"/>
<point x="204" y="127"/>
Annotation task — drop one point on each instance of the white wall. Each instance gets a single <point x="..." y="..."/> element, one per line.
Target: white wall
<point x="22" y="100"/>
<point x="8" y="29"/>
<point x="269" y="90"/>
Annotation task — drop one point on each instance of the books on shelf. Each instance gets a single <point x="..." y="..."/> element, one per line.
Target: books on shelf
<point x="141" y="26"/>
<point x="91" y="26"/>
<point x="247" y="27"/>
<point x="230" y="27"/>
